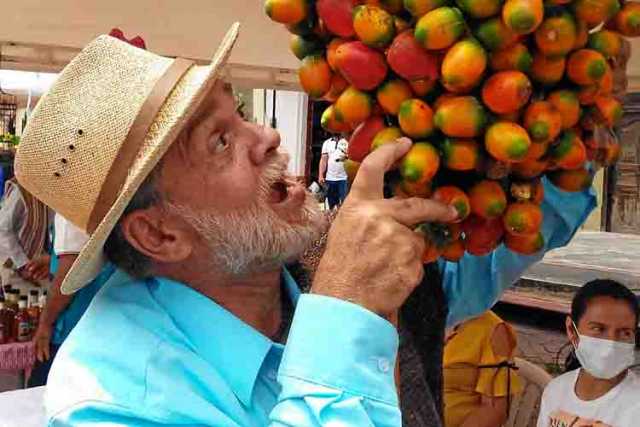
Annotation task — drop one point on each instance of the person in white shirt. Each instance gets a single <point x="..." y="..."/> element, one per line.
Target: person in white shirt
<point x="603" y="392"/>
<point x="332" y="173"/>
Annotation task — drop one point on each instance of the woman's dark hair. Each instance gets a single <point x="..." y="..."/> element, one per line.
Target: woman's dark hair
<point x="602" y="288"/>
<point x="594" y="289"/>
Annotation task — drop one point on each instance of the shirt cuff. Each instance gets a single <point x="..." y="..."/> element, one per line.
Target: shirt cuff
<point x="341" y="345"/>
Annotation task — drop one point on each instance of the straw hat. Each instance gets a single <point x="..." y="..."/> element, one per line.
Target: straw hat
<point x="101" y="129"/>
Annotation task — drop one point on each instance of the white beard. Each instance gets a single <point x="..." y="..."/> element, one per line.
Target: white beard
<point x="256" y="239"/>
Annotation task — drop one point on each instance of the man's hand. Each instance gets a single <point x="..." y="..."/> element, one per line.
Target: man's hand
<point x="373" y="257"/>
<point x="42" y="341"/>
<point x="37" y="269"/>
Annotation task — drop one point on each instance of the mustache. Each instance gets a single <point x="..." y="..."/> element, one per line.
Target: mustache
<point x="273" y="171"/>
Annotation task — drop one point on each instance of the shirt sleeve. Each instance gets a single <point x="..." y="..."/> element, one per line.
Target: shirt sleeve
<point x="69" y="239"/>
<point x="475" y="284"/>
<point x="338" y="367"/>
<point x="12" y="215"/>
<point x="497" y="381"/>
<point x="326" y="147"/>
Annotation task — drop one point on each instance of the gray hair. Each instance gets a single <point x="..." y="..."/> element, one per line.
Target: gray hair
<point x="117" y="249"/>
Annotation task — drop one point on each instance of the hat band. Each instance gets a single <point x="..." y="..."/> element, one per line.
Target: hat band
<point x="129" y="149"/>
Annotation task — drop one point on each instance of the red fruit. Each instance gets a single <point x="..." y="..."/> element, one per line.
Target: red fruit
<point x="360" y="142"/>
<point x="455" y="197"/>
<point x="410" y="60"/>
<point x="523" y="218"/>
<point x="337" y="16"/>
<point x="482" y="235"/>
<point x="453" y="251"/>
<point x="488" y="199"/>
<point x="527" y="244"/>
<point x="362" y="66"/>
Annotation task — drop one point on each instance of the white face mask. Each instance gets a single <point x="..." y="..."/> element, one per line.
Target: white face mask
<point x="602" y="358"/>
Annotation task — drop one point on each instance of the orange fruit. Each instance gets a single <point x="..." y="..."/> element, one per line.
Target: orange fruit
<point x="587" y="95"/>
<point x="571" y="180"/>
<point x="303" y="46"/>
<point x="557" y="34"/>
<point x="286" y="11"/>
<point x="423" y="87"/>
<point x="482" y="235"/>
<point x="526" y="244"/>
<point x="586" y="66"/>
<point x="506" y="91"/>
<point x="479" y="9"/>
<point x="332" y="49"/>
<point x="440" y="28"/>
<point x="391" y="6"/>
<point x="388" y="135"/>
<point x="315" y="76"/>
<point x="453" y="196"/>
<point x="331" y="123"/>
<point x="627" y="21"/>
<point x="487" y="199"/>
<point x="495" y="35"/>
<point x="507" y="142"/>
<point x="594" y="12"/>
<point x="608" y="43"/>
<point x="461" y="117"/>
<point x="406" y="189"/>
<point x="419" y="8"/>
<point x="542" y="121"/>
<point x="338" y="85"/>
<point x="463" y="66"/>
<point x="522" y="218"/>
<point x="421" y="163"/>
<point x="392" y="94"/>
<point x="373" y="25"/>
<point x="582" y="34"/>
<point x="610" y="109"/>
<point x="566" y="102"/>
<point x="530" y="167"/>
<point x="523" y="16"/>
<point x="353" y="106"/>
<point x="570" y="152"/>
<point x="415" y="118"/>
<point x="460" y="154"/>
<point x="547" y="71"/>
<point x="351" y="168"/>
<point x="453" y="251"/>
<point x="515" y="57"/>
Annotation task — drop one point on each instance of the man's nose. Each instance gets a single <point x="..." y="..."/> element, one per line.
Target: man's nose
<point x="267" y="142"/>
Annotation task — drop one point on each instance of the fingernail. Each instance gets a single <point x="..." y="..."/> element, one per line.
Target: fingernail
<point x="453" y="212"/>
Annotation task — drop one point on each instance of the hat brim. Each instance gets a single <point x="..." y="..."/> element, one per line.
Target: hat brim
<point x="184" y="100"/>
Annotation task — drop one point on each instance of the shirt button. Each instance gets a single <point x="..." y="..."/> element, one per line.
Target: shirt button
<point x="383" y="365"/>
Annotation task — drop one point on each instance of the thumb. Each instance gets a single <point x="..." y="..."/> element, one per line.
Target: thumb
<point x="369" y="181"/>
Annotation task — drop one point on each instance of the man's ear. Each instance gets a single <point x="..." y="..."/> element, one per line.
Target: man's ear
<point x="157" y="235"/>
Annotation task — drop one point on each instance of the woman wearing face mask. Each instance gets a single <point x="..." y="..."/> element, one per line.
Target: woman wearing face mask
<point x="603" y="392"/>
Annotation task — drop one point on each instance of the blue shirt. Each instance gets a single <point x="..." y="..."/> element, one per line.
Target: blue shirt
<point x="155" y="352"/>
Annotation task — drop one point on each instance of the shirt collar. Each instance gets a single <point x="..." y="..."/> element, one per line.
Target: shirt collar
<point x="236" y="349"/>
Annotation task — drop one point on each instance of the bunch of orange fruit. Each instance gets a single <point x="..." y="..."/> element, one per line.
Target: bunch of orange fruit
<point x="495" y="94"/>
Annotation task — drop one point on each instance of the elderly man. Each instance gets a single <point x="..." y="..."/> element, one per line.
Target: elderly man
<point x="202" y="324"/>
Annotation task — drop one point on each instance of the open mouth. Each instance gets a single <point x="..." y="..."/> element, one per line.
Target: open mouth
<point x="278" y="192"/>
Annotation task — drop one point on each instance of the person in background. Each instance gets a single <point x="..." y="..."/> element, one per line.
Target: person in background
<point x="62" y="312"/>
<point x="479" y="379"/>
<point x="332" y="173"/>
<point x="603" y="392"/>
<point x="24" y="228"/>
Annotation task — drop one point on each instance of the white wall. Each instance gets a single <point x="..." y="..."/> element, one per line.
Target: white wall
<point x="291" y="122"/>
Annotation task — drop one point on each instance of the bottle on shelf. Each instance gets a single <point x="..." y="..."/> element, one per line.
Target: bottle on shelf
<point x="6" y="289"/>
<point x="21" y="321"/>
<point x="42" y="301"/>
<point x="6" y="318"/>
<point x="11" y="301"/>
<point x="3" y="329"/>
<point x="33" y="308"/>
